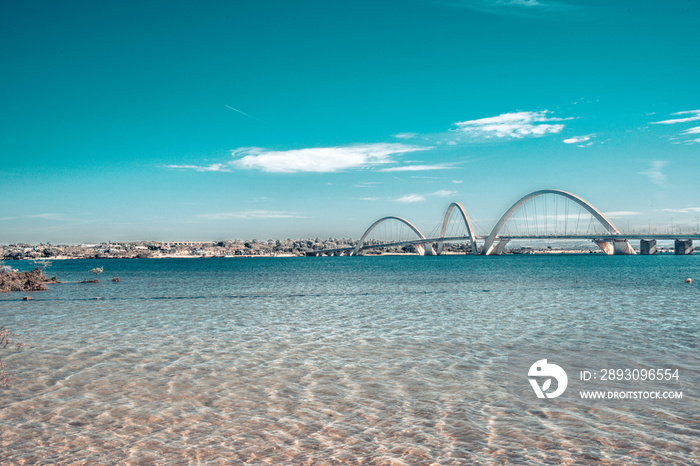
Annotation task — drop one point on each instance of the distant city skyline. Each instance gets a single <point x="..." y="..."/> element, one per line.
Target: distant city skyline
<point x="228" y="120"/>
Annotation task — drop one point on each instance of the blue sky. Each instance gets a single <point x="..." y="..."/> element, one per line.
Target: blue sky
<point x="221" y="120"/>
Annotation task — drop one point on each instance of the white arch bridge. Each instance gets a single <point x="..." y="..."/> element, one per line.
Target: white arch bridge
<point x="547" y="214"/>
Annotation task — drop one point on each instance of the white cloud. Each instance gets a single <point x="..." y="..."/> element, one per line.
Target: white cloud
<point x="404" y="135"/>
<point x="251" y="215"/>
<point x="48" y="216"/>
<point x="415" y="168"/>
<point x="516" y="7"/>
<point x="687" y="210"/>
<point x="215" y="167"/>
<point x="528" y="3"/>
<point x="457" y="181"/>
<point x="410" y="198"/>
<point x="444" y="193"/>
<point x="695" y="116"/>
<point x="369" y="198"/>
<point x="320" y="159"/>
<point x="654" y="172"/>
<point x="577" y="139"/>
<point x="511" y="125"/>
<point x="621" y="214"/>
<point x="314" y="159"/>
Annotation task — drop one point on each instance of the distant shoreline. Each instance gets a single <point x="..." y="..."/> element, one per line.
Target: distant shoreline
<point x="251" y="248"/>
<point x="554" y="252"/>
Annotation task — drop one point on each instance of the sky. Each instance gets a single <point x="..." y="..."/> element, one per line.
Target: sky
<point x="125" y="121"/>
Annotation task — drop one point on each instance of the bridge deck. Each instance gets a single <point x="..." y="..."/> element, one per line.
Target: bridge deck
<point x="693" y="236"/>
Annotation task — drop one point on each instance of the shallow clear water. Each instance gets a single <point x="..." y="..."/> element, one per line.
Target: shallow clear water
<point x="379" y="360"/>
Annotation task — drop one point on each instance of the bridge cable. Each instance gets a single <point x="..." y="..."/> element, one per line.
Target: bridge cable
<point x="556" y="216"/>
<point x="545" y="215"/>
<point x="527" y="227"/>
<point x="578" y="219"/>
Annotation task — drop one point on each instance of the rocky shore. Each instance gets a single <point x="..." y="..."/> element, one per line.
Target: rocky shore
<point x="34" y="280"/>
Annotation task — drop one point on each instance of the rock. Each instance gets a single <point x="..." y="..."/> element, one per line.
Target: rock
<point x="11" y="280"/>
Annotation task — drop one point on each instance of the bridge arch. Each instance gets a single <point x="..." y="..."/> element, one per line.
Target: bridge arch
<point x="489" y="244"/>
<point x="358" y="247"/>
<point x="467" y="222"/>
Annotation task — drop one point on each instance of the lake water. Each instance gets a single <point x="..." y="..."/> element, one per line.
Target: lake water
<point x="332" y="360"/>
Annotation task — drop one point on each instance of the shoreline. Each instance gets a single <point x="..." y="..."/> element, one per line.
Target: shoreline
<point x="286" y="256"/>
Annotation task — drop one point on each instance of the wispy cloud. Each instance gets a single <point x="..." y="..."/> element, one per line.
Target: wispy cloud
<point x="580" y="141"/>
<point x="686" y="210"/>
<point x="444" y="193"/>
<point x="621" y="214"/>
<point x="514" y="7"/>
<point x="410" y="198"/>
<point x="369" y="198"/>
<point x="576" y="139"/>
<point x="655" y="173"/>
<point x="366" y="184"/>
<point x="694" y="116"/>
<point x="251" y="215"/>
<point x="52" y="216"/>
<point x="511" y="125"/>
<point x="414" y="168"/>
<point x="422" y="197"/>
<point x="214" y="167"/>
<point x="404" y="135"/>
<point x="48" y="216"/>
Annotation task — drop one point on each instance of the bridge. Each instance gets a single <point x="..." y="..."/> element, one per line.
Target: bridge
<point x="547" y="214"/>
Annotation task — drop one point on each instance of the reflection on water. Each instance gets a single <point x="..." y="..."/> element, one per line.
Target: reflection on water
<point x="393" y="360"/>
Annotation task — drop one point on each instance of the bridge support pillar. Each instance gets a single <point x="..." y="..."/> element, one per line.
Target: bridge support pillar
<point x="647" y="246"/>
<point x="606" y="246"/>
<point x="498" y="250"/>
<point x="623" y="247"/>
<point x="615" y="246"/>
<point x="684" y="246"/>
<point x="425" y="249"/>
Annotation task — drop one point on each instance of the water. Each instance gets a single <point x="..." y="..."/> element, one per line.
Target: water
<point x="369" y="360"/>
